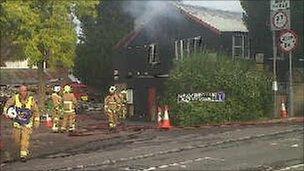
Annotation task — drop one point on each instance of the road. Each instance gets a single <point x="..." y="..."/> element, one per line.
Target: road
<point x="272" y="147"/>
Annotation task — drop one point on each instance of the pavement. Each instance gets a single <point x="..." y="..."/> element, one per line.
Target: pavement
<point x="91" y="127"/>
<point x="140" y="145"/>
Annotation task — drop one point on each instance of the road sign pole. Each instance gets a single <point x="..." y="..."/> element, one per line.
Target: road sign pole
<point x="275" y="113"/>
<point x="291" y="105"/>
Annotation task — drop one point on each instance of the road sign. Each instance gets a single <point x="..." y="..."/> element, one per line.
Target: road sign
<point x="280" y="20"/>
<point x="279" y="5"/>
<point x="288" y="40"/>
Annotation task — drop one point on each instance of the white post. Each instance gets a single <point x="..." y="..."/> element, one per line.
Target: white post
<point x="188" y="47"/>
<point x="176" y="49"/>
<point x="243" y="46"/>
<point x="291" y="105"/>
<point x="233" y="44"/>
<point x="274" y="74"/>
<point x="181" y="49"/>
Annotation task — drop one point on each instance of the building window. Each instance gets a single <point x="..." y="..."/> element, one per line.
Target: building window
<point x="153" y="57"/>
<point x="240" y="46"/>
<point x="186" y="47"/>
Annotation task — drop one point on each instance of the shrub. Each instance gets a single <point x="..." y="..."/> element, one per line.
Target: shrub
<point x="247" y="90"/>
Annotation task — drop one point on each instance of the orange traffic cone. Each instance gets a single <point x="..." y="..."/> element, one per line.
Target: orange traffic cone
<point x="159" y="117"/>
<point x="48" y="122"/>
<point x="284" y="113"/>
<point x="166" y="122"/>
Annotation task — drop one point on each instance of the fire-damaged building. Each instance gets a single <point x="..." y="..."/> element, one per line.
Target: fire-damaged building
<point x="147" y="54"/>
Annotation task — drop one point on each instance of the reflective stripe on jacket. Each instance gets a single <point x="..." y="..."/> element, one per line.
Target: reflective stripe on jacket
<point x="68" y="106"/>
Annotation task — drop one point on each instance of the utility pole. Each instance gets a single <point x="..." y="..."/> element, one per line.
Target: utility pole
<point x="279" y="20"/>
<point x="275" y="83"/>
<point x="291" y="107"/>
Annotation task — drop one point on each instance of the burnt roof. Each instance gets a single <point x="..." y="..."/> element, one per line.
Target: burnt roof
<point x="215" y="20"/>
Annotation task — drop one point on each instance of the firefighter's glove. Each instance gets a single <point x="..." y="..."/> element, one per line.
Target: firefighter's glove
<point x="4" y="113"/>
<point x="36" y="122"/>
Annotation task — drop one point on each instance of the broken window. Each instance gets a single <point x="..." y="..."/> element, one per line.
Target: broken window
<point x="186" y="47"/>
<point x="153" y="57"/>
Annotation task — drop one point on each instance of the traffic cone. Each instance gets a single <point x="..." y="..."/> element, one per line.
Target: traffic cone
<point x="284" y="113"/>
<point x="166" y="121"/>
<point x="48" y="122"/>
<point x="159" y="117"/>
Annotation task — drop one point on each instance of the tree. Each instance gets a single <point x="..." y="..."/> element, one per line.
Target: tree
<point x="95" y="51"/>
<point x="44" y="30"/>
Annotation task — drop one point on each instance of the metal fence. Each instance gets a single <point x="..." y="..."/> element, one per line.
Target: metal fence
<point x="298" y="97"/>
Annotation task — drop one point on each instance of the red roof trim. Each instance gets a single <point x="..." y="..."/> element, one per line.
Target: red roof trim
<point x="125" y="41"/>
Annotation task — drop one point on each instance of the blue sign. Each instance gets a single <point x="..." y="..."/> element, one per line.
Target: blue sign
<point x="201" y="97"/>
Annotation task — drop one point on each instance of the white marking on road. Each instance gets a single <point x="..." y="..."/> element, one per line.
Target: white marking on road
<point x="292" y="167"/>
<point x="186" y="162"/>
<point x="273" y="144"/>
<point x="198" y="159"/>
<point x="189" y="148"/>
<point x="214" y="159"/>
<point x="295" y="146"/>
<point x="151" y="168"/>
<point x="80" y="166"/>
<point x="182" y="164"/>
<point x="163" y="166"/>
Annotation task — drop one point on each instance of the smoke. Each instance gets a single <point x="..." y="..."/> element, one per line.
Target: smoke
<point x="145" y="11"/>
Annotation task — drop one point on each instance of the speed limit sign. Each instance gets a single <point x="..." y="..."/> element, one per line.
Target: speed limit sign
<point x="280" y="20"/>
<point x="288" y="40"/>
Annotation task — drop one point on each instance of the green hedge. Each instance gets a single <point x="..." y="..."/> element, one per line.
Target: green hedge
<point x="248" y="91"/>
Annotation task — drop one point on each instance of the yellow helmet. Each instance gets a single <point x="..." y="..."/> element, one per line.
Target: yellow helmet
<point x="67" y="89"/>
<point x="56" y="88"/>
<point x="112" y="89"/>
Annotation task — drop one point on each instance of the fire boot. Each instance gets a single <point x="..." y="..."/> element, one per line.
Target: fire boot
<point x="72" y="128"/>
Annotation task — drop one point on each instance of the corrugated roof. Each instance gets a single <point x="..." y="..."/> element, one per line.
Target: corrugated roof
<point x="223" y="21"/>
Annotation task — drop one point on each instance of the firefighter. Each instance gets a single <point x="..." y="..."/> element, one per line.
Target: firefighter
<point x="56" y="109"/>
<point x="23" y="110"/>
<point x="122" y="115"/>
<point x="69" y="114"/>
<point x="111" y="108"/>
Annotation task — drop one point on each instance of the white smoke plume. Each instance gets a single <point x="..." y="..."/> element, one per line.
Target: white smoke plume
<point x="145" y="11"/>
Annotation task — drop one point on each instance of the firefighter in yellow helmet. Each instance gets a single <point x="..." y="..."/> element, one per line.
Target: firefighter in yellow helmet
<point x="22" y="109"/>
<point x="69" y="114"/>
<point x="57" y="108"/>
<point x="112" y="107"/>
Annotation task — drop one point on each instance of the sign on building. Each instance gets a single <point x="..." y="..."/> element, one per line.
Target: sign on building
<point x="276" y="5"/>
<point x="129" y="96"/>
<point x="288" y="41"/>
<point x="201" y="97"/>
<point x="280" y="20"/>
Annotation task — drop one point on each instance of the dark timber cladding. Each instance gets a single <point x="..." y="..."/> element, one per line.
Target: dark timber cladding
<point x="146" y="55"/>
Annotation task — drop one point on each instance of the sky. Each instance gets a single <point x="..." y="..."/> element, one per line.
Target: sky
<point x="228" y="5"/>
